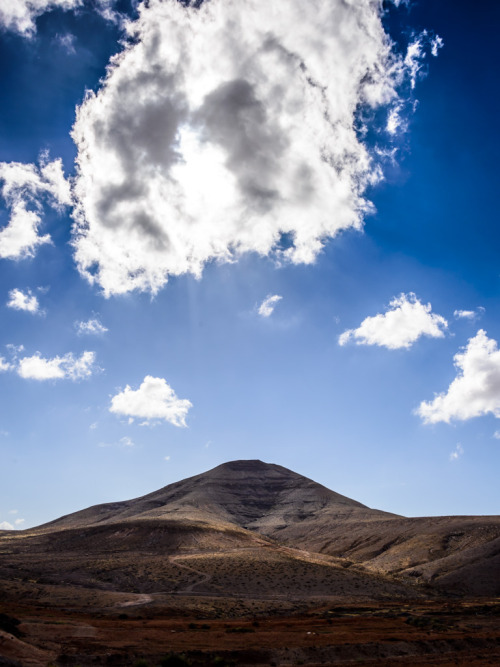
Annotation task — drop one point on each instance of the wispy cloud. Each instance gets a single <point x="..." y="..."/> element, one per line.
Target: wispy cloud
<point x="154" y="400"/>
<point x="456" y="453"/>
<point x="4" y="365"/>
<point x="126" y="442"/>
<point x="267" y="307"/>
<point x="24" y="187"/>
<point x="476" y="389"/>
<point x="468" y="314"/>
<point x="404" y="322"/>
<point x="20" y="15"/>
<point x="90" y="327"/>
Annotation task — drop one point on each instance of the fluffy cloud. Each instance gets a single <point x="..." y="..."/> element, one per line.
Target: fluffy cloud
<point x="6" y="525"/>
<point x="226" y="129"/>
<point x="57" y="368"/>
<point x="154" y="399"/>
<point x="24" y="187"/>
<point x="476" y="389"/>
<point x="19" y="300"/>
<point x="266" y="308"/>
<point x="406" y="319"/>
<point x="92" y="327"/>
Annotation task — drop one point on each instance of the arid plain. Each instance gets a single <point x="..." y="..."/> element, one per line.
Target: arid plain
<point x="250" y="564"/>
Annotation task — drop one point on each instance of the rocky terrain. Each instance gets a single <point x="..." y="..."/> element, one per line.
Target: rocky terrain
<point x="248" y="542"/>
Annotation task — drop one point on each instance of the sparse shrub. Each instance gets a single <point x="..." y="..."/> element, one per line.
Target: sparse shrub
<point x="175" y="660"/>
<point x="218" y="661"/>
<point x="239" y="629"/>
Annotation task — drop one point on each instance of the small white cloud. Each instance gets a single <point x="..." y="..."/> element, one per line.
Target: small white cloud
<point x="457" y="453"/>
<point x="476" y="389"/>
<point x="20" y="15"/>
<point x="406" y="320"/>
<point x="5" y="525"/>
<point x="4" y="365"/>
<point x="464" y="314"/>
<point x="68" y="366"/>
<point x="91" y="327"/>
<point x="154" y="400"/>
<point x="18" y="522"/>
<point x="267" y="307"/>
<point x="13" y="511"/>
<point x="468" y="314"/>
<point x="436" y="44"/>
<point x="127" y="442"/>
<point x="67" y="42"/>
<point x="19" y="300"/>
<point x="395" y="122"/>
<point x="166" y="458"/>
<point x="93" y="426"/>
<point x="496" y="435"/>
<point x="24" y="187"/>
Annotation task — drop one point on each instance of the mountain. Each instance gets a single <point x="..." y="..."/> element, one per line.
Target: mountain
<point x="256" y="529"/>
<point x="257" y="496"/>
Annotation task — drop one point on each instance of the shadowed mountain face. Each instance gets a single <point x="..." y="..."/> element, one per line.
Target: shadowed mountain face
<point x="269" y="512"/>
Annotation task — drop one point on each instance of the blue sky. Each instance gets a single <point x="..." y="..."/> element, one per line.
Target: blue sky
<point x="257" y="235"/>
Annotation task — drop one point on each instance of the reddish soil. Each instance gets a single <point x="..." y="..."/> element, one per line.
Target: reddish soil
<point x="433" y="633"/>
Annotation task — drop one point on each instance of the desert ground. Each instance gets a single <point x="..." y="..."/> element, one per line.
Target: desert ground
<point x="250" y="564"/>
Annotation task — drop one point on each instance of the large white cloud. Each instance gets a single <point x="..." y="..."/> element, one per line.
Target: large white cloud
<point x="68" y="366"/>
<point x="226" y="129"/>
<point x="406" y="319"/>
<point x="155" y="399"/>
<point x="476" y="389"/>
<point x="24" y="187"/>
